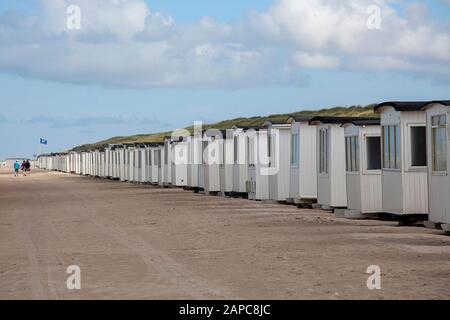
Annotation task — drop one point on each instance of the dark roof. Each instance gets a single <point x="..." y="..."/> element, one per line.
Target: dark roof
<point x="270" y="122"/>
<point x="339" y="120"/>
<point x="215" y="132"/>
<point x="402" y="105"/>
<point x="443" y="102"/>
<point x="370" y="122"/>
<point x="300" y="118"/>
<point x="247" y="127"/>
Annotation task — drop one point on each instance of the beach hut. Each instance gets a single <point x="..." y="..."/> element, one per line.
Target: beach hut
<point x="303" y="160"/>
<point x="226" y="150"/>
<point x="363" y="167"/>
<point x="279" y="150"/>
<point x="167" y="162"/>
<point x="103" y="164"/>
<point x="108" y="162"/>
<point x="438" y="151"/>
<point x="331" y="173"/>
<point x="130" y="163"/>
<point x="111" y="159"/>
<point x="123" y="159"/>
<point x="179" y="155"/>
<point x="155" y="164"/>
<point x="194" y="144"/>
<point x="138" y="163"/>
<point x="404" y="160"/>
<point x="162" y="165"/>
<point x="147" y="163"/>
<point x="258" y="164"/>
<point x="211" y="154"/>
<point x="240" y="161"/>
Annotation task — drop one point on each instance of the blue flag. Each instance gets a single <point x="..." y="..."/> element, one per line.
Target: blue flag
<point x="43" y="141"/>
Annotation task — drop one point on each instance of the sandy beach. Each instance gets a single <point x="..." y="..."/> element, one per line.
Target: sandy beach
<point x="144" y="242"/>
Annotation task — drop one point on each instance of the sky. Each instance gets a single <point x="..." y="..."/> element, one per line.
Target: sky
<point x="136" y="66"/>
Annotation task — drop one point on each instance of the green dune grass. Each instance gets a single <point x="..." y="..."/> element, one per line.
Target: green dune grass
<point x="354" y="111"/>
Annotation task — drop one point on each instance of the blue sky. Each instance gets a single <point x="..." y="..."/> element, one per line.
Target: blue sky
<point x="254" y="57"/>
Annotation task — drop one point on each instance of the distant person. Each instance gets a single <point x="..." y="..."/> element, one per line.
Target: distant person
<point x="22" y="168"/>
<point x="16" y="168"/>
<point x="27" y="167"/>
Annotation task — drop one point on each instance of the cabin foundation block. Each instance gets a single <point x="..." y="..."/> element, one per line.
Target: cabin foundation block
<point x="446" y="227"/>
<point x="339" y="213"/>
<point x="432" y="225"/>
<point x="353" y="214"/>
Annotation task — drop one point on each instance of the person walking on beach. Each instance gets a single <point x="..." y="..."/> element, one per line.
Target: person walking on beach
<point x="27" y="167"/>
<point x="22" y="168"/>
<point x="16" y="168"/>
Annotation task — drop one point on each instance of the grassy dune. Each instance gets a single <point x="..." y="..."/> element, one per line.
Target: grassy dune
<point x="356" y="111"/>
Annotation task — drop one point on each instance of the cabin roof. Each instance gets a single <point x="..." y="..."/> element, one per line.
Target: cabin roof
<point x="339" y="120"/>
<point x="281" y="124"/>
<point x="370" y="122"/>
<point x="404" y="106"/>
<point x="300" y="118"/>
<point x="246" y="127"/>
<point x="225" y="133"/>
<point x="443" y="102"/>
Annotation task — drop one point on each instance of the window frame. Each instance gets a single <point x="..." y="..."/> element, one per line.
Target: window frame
<point x="352" y="153"/>
<point x="410" y="126"/>
<point x="434" y="128"/>
<point x="366" y="138"/>
<point x="324" y="151"/>
<point x="393" y="164"/>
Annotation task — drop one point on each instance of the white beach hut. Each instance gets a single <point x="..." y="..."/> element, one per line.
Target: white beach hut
<point x="167" y="162"/>
<point x="211" y="155"/>
<point x="155" y="164"/>
<point x="303" y="160"/>
<point x="180" y="154"/>
<point x="363" y="167"/>
<point x="227" y="162"/>
<point x="139" y="163"/>
<point x="438" y="151"/>
<point x="331" y="157"/>
<point x="279" y="148"/>
<point x="404" y="160"/>
<point x="240" y="161"/>
<point x="258" y="164"/>
<point x="194" y="144"/>
<point x="130" y="163"/>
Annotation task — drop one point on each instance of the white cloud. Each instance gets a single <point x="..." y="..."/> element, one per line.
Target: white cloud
<point x="307" y="60"/>
<point x="124" y="42"/>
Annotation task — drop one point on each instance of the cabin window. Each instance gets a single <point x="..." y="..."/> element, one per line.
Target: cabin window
<point x="439" y="143"/>
<point x="373" y="146"/>
<point x="391" y="147"/>
<point x="295" y="150"/>
<point x="236" y="149"/>
<point x="352" y="153"/>
<point x="418" y="146"/>
<point x="149" y="158"/>
<point x="323" y="151"/>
